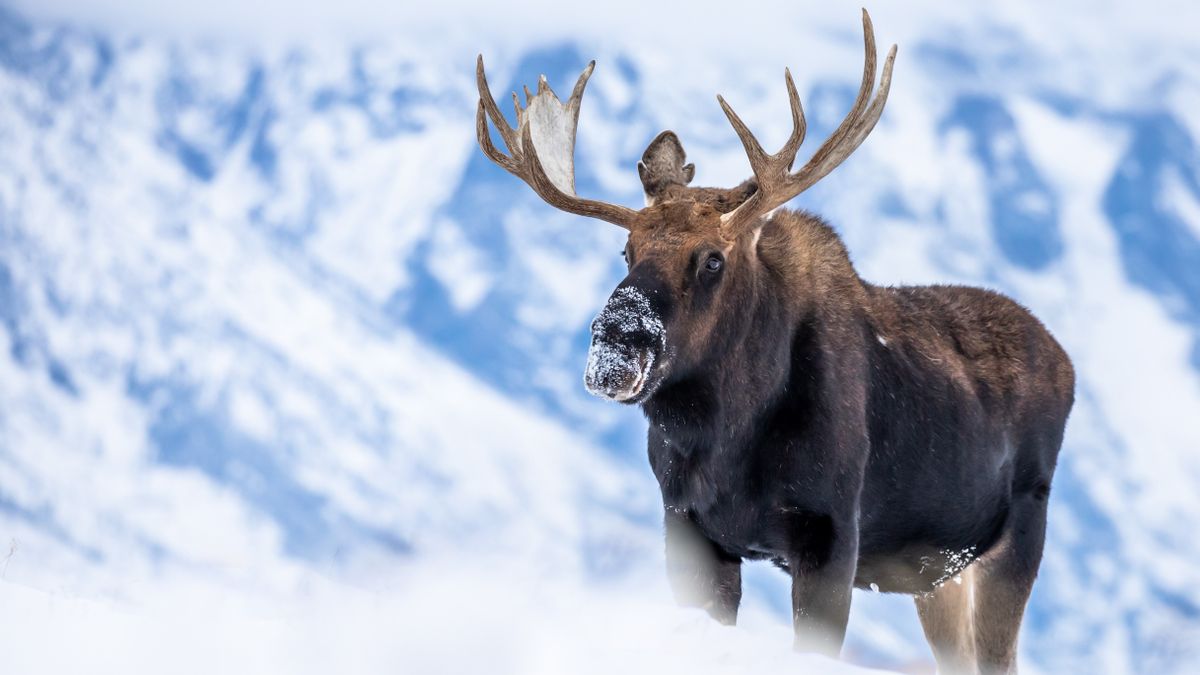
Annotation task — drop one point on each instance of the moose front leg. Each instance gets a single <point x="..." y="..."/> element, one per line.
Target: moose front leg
<point x="701" y="574"/>
<point x="822" y="565"/>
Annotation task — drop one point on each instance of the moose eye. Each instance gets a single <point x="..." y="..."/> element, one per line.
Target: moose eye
<point x="713" y="264"/>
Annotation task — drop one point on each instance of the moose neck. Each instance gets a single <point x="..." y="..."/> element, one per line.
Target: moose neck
<point x="801" y="297"/>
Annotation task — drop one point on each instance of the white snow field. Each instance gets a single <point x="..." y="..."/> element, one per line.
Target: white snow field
<point x="446" y="619"/>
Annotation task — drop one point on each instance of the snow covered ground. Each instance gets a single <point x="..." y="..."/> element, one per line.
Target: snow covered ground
<point x="438" y="619"/>
<point x="290" y="372"/>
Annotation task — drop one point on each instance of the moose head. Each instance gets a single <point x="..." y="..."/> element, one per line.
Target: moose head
<point x="692" y="253"/>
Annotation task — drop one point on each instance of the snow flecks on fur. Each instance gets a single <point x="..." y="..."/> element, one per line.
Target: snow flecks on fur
<point x="953" y="563"/>
<point x="629" y="310"/>
<point x="609" y="364"/>
<point x="618" y="370"/>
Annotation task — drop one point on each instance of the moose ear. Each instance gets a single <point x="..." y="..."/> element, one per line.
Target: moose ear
<point x="662" y="166"/>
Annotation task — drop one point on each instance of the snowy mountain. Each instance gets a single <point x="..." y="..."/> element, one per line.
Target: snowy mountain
<point x="270" y="320"/>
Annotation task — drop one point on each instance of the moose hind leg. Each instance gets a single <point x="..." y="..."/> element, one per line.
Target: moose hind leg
<point x="947" y="619"/>
<point x="701" y="574"/>
<point x="1004" y="577"/>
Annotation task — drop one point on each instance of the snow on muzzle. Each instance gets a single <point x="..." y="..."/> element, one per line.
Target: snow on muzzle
<point x="627" y="337"/>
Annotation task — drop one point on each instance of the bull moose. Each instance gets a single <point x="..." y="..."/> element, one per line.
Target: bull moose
<point x="901" y="439"/>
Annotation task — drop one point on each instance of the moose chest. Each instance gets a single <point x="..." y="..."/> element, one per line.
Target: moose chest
<point x="721" y="491"/>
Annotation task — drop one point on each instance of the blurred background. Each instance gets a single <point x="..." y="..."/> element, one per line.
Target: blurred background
<point x="290" y="374"/>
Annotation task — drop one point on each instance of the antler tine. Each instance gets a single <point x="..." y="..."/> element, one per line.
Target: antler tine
<point x="555" y="129"/>
<point x="819" y="166"/>
<point x="577" y="92"/>
<point x="760" y="161"/>
<point x="488" y="103"/>
<point x="860" y="102"/>
<point x="489" y="148"/>
<point x="754" y="151"/>
<point x="776" y="183"/>
<point x="799" y="124"/>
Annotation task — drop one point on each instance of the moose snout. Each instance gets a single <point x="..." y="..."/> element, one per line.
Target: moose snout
<point x="615" y="371"/>
<point x="627" y="339"/>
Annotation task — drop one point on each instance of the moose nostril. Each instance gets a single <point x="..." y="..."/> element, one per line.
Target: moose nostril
<point x="624" y="333"/>
<point x="636" y="339"/>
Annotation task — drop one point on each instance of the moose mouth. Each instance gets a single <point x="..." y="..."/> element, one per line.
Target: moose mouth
<point x="618" y="373"/>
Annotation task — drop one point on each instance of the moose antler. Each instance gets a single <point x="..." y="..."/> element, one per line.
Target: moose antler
<point x="541" y="149"/>
<point x="776" y="182"/>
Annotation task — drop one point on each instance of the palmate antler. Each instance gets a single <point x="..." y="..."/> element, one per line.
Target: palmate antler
<point x="776" y="182"/>
<point x="541" y="150"/>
